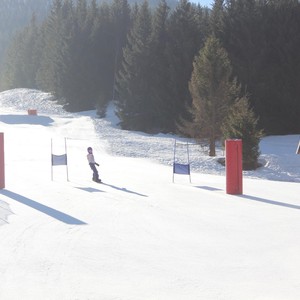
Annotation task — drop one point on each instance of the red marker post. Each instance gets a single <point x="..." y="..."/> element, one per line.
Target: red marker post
<point x="2" y="171"/>
<point x="234" y="167"/>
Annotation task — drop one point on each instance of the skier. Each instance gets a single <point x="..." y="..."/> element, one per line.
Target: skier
<point x="92" y="163"/>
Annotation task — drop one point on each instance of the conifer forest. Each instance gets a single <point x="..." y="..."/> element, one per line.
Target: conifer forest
<point x="165" y="65"/>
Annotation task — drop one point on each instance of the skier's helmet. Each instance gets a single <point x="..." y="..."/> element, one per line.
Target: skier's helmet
<point x="89" y="149"/>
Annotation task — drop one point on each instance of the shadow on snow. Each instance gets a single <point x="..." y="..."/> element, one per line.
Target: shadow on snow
<point x="278" y="203"/>
<point x="58" y="215"/>
<point x="26" y="119"/>
<point x="88" y="189"/>
<point x="253" y="198"/>
<point x="124" y="190"/>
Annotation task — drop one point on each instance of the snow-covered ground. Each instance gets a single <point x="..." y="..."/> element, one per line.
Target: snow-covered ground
<point x="138" y="235"/>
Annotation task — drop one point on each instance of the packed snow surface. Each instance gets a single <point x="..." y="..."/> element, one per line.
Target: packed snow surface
<point x="139" y="235"/>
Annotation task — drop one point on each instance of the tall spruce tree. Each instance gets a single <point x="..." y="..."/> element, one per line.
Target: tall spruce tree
<point x="212" y="90"/>
<point x="261" y="38"/>
<point x="241" y="123"/>
<point x="160" y="82"/>
<point x="14" y="16"/>
<point x="134" y="106"/>
<point x="183" y="44"/>
<point x="277" y="92"/>
<point x="121" y="21"/>
<point x="243" y="38"/>
<point x="217" y="18"/>
<point x="102" y="57"/>
<point x="22" y="60"/>
<point x="55" y="63"/>
<point x="79" y="91"/>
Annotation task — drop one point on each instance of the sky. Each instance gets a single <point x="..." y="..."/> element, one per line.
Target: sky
<point x="207" y="3"/>
<point x="139" y="235"/>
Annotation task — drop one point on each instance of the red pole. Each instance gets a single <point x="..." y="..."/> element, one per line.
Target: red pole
<point x="2" y="172"/>
<point x="234" y="167"/>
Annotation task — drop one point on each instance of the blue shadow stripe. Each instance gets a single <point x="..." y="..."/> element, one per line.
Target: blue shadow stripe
<point x="56" y="214"/>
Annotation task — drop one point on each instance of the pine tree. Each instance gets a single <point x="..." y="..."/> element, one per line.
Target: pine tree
<point x="78" y="90"/>
<point x="160" y="82"/>
<point x="134" y="104"/>
<point x="277" y="90"/>
<point x="212" y="91"/>
<point x="101" y="59"/>
<point x="261" y="38"/>
<point x="244" y="40"/>
<point x="217" y="18"/>
<point x="14" y="16"/>
<point x="55" y="63"/>
<point x="184" y="42"/>
<point x="22" y="61"/>
<point x="121" y="23"/>
<point x="241" y="123"/>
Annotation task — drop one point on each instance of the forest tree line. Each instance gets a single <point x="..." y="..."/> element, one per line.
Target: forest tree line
<point x="88" y="53"/>
<point x="14" y="15"/>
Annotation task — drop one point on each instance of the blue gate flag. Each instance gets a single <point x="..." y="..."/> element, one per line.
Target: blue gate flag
<point x="59" y="160"/>
<point x="181" y="169"/>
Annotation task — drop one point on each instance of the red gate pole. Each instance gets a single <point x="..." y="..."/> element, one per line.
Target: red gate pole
<point x="2" y="171"/>
<point x="234" y="167"/>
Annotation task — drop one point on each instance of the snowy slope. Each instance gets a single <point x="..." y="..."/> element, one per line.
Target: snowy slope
<point x="139" y="236"/>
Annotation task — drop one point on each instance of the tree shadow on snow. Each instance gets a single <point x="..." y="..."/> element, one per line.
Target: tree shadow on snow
<point x="26" y="119"/>
<point x="58" y="215"/>
<point x="278" y="203"/>
<point x="253" y="198"/>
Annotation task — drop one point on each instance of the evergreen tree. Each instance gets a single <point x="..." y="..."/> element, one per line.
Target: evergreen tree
<point x="82" y="47"/>
<point x="22" y="61"/>
<point x="121" y="21"/>
<point x="158" y="70"/>
<point x="261" y="38"/>
<point x="79" y="91"/>
<point x="212" y="90"/>
<point x="183" y="44"/>
<point x="241" y="123"/>
<point x="277" y="90"/>
<point x="55" y="63"/>
<point x="14" y="16"/>
<point x="243" y="38"/>
<point x="217" y="18"/>
<point x="102" y="58"/>
<point x="134" y="104"/>
<point x="203" y="17"/>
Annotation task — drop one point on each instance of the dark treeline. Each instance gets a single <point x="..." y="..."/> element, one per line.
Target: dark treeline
<point x="15" y="14"/>
<point x="262" y="38"/>
<point x="88" y="53"/>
